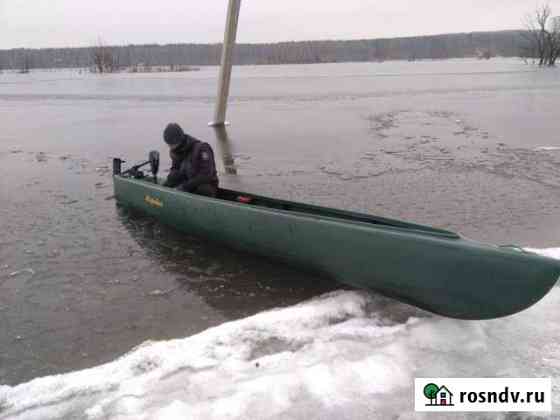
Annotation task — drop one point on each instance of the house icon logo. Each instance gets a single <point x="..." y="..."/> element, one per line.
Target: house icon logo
<point x="438" y="396"/>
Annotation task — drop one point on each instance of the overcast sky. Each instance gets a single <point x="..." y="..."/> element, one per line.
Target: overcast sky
<point x="58" y="23"/>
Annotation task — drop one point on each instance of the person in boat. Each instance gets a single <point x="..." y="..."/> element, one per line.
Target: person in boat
<point x="193" y="166"/>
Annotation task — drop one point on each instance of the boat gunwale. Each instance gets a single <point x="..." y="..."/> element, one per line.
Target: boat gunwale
<point x="375" y="223"/>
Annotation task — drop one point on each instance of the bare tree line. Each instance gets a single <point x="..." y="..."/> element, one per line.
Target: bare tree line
<point x="21" y="60"/>
<point x="104" y="58"/>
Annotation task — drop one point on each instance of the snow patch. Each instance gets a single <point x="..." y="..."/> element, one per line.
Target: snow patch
<point x="550" y="252"/>
<point x="547" y="148"/>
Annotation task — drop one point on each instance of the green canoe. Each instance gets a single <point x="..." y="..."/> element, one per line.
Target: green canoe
<point x="430" y="268"/>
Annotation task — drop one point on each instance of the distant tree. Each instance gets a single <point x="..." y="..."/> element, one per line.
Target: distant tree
<point x="542" y="36"/>
<point x="25" y="62"/>
<point x="103" y="59"/>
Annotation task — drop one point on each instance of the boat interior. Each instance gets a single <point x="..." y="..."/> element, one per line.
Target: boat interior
<point x="259" y="201"/>
<point x="311" y="210"/>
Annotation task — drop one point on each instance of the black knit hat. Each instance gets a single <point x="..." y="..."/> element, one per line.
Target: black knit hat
<point x="173" y="134"/>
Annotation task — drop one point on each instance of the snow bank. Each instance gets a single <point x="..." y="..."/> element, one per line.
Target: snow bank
<point x="343" y="355"/>
<point x="550" y="252"/>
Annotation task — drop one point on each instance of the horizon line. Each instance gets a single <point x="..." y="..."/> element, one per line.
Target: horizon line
<point x="268" y="43"/>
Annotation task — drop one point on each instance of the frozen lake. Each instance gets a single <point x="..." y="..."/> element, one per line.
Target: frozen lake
<point x="467" y="145"/>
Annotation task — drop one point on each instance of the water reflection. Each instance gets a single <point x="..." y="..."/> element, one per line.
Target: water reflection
<point x="225" y="150"/>
<point x="234" y="283"/>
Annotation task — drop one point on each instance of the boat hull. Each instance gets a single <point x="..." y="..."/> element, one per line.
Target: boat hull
<point x="444" y="274"/>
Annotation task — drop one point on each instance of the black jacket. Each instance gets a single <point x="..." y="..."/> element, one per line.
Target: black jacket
<point x="193" y="165"/>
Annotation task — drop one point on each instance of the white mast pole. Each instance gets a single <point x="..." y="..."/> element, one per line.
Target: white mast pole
<point x="227" y="55"/>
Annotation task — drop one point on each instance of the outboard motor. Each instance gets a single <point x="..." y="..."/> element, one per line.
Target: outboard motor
<point x="153" y="158"/>
<point x="117" y="166"/>
<point x="135" y="172"/>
